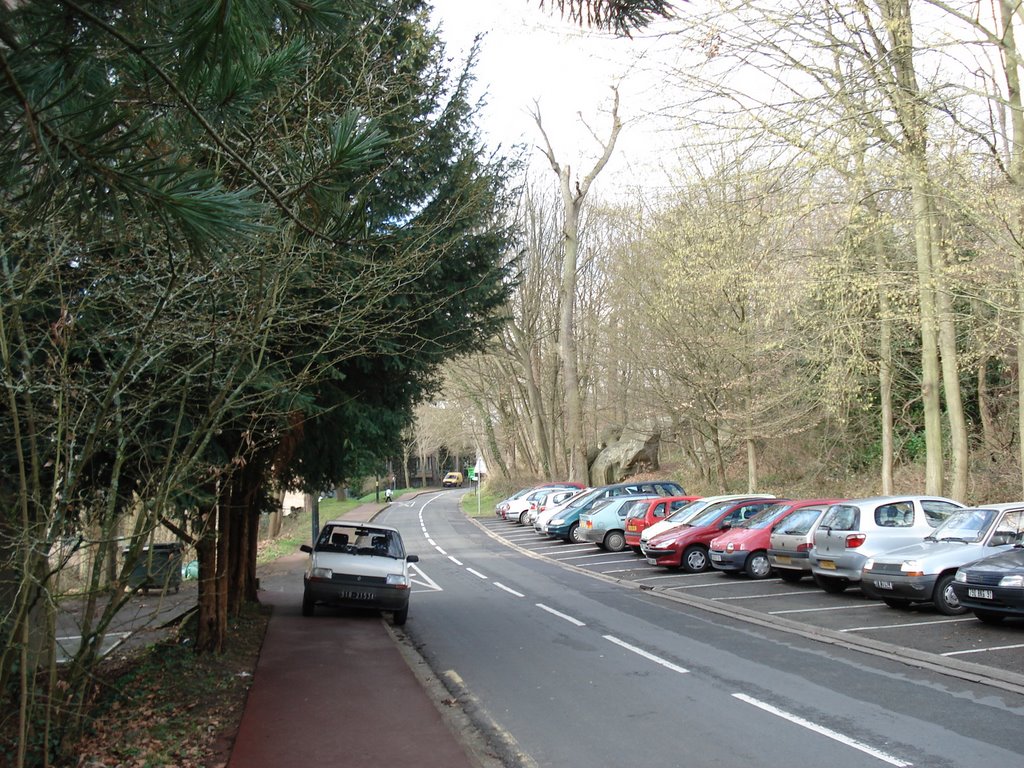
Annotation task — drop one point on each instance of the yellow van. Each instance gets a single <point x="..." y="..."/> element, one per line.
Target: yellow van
<point x="452" y="480"/>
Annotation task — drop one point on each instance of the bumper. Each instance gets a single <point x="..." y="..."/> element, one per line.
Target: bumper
<point x="883" y="585"/>
<point x="844" y="566"/>
<point x="791" y="561"/>
<point x="348" y="593"/>
<point x="661" y="556"/>
<point x="593" y="535"/>
<point x="727" y="561"/>
<point x="1006" y="600"/>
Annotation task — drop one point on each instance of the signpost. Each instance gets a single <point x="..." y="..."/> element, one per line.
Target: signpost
<point x="479" y="469"/>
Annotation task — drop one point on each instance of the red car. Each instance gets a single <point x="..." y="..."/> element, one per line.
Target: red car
<point x="744" y="547"/>
<point x="686" y="546"/>
<point x="643" y="515"/>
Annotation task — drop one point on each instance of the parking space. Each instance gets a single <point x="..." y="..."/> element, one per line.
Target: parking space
<point x="920" y="627"/>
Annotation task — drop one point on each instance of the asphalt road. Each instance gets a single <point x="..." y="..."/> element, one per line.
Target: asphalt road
<point x="568" y="667"/>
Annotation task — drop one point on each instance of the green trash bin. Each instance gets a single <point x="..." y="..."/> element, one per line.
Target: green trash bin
<point x="159" y="567"/>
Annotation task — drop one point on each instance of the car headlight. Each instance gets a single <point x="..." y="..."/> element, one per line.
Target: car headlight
<point x="321" y="573"/>
<point x="960" y="577"/>
<point x="912" y="568"/>
<point x="869" y="564"/>
<point x="1014" y="580"/>
<point x="733" y="547"/>
<point x="556" y="521"/>
<point x="397" y="580"/>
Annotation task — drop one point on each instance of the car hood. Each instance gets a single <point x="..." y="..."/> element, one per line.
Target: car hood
<point x="738" y="535"/>
<point x="1010" y="560"/>
<point x="936" y="555"/>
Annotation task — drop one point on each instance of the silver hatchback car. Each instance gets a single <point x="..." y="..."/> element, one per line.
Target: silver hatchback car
<point x="923" y="572"/>
<point x="853" y="531"/>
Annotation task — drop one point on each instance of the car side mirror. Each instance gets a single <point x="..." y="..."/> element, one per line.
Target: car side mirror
<point x="412" y="558"/>
<point x="306" y="548"/>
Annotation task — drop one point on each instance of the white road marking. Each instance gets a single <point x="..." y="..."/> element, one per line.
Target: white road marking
<point x="985" y="650"/>
<point x="593" y="554"/>
<point x="826" y="732"/>
<point x="561" y="615"/>
<point x="910" y="624"/>
<point x="431" y="542"/>
<point x="759" y="597"/>
<point x="419" y="577"/>
<point x="511" y="591"/>
<point x="455" y="560"/>
<point x="876" y="606"/>
<point x="477" y="574"/>
<point x="646" y="655"/>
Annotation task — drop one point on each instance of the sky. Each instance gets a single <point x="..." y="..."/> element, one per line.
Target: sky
<point x="531" y="56"/>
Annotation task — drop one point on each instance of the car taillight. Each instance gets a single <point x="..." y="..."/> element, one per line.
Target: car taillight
<point x="803" y="547"/>
<point x="854" y="540"/>
<point x="533" y="505"/>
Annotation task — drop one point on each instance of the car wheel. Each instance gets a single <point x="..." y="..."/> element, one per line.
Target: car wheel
<point x="574" y="534"/>
<point x="790" y="576"/>
<point x="758" y="566"/>
<point x="695" y="559"/>
<point x="899" y="605"/>
<point x="307" y="605"/>
<point x="522" y="518"/>
<point x="401" y="616"/>
<point x="831" y="584"/>
<point x="945" y="598"/>
<point x="614" y="541"/>
<point x="989" y="617"/>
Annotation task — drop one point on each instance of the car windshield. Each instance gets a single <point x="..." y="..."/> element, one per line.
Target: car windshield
<point x="637" y="507"/>
<point x="799" y="522"/>
<point x="360" y="540"/>
<point x="710" y="514"/>
<point x="683" y="514"/>
<point x="766" y="517"/>
<point x="967" y="525"/>
<point x="584" y="499"/>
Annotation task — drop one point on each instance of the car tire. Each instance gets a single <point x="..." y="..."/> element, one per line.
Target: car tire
<point x="989" y="617"/>
<point x="945" y="600"/>
<point x="758" y="566"/>
<point x="401" y="616"/>
<point x="895" y="602"/>
<point x="308" y="606"/>
<point x="522" y="518"/>
<point x="614" y="541"/>
<point x="695" y="559"/>
<point x="573" y="537"/>
<point x="831" y="584"/>
<point x="792" y="577"/>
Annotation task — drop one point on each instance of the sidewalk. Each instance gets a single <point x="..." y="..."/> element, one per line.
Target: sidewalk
<point x="336" y="691"/>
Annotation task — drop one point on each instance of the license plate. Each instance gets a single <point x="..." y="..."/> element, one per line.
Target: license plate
<point x="882" y="584"/>
<point x="783" y="559"/>
<point x="828" y="565"/>
<point x="652" y="561"/>
<point x="716" y="557"/>
<point x="357" y="595"/>
<point x="982" y="594"/>
<point x="630" y="526"/>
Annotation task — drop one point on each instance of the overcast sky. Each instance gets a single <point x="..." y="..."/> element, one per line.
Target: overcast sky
<point x="530" y="55"/>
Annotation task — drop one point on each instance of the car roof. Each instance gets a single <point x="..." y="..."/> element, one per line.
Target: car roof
<point x="360" y="524"/>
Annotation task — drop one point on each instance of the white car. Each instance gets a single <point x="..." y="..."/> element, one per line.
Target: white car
<point x="358" y="565"/>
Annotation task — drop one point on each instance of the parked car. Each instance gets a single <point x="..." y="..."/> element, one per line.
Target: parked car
<point x="502" y="506"/>
<point x="517" y="509"/>
<point x="542" y="500"/>
<point x="791" y="541"/>
<point x="691" y="510"/>
<point x="641" y="516"/>
<point x="854" y="530"/>
<point x="566" y="524"/>
<point x="686" y="545"/>
<point x="993" y="587"/>
<point x="923" y="572"/>
<point x="357" y="565"/>
<point x="604" y="525"/>
<point x="744" y="547"/>
<point x="452" y="480"/>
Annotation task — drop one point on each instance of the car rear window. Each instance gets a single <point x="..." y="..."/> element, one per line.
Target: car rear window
<point x="799" y="522"/>
<point x="841" y="517"/>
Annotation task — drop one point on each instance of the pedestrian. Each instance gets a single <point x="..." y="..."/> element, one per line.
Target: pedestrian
<point x="387" y="495"/>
